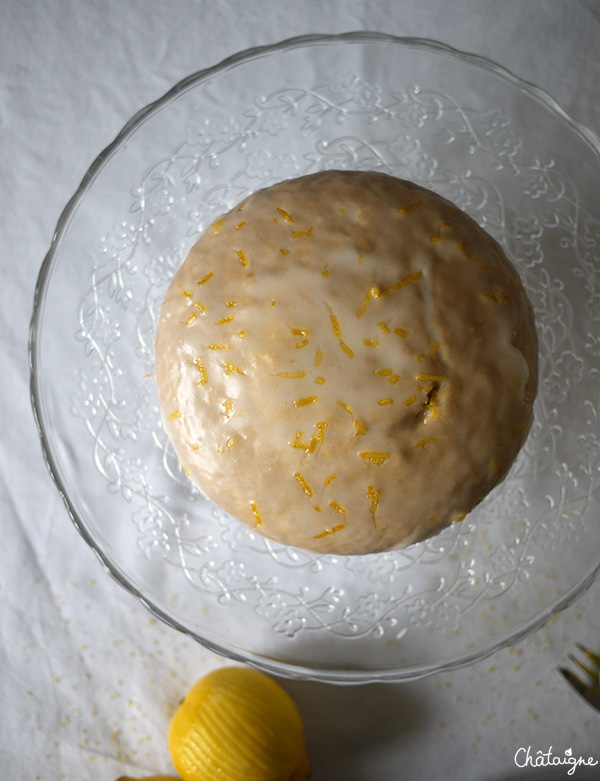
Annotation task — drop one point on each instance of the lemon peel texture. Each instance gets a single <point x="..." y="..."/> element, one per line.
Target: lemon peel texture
<point x="238" y="724"/>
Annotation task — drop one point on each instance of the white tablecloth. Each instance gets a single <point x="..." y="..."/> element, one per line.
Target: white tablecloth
<point x="88" y="678"/>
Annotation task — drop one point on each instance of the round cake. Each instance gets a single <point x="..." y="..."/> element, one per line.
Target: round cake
<point x="346" y="362"/>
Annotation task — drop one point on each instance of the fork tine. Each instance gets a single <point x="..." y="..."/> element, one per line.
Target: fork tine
<point x="582" y="666"/>
<point x="590" y="690"/>
<point x="573" y="680"/>
<point x="591" y="696"/>
<point x="590" y="655"/>
<point x="593" y="674"/>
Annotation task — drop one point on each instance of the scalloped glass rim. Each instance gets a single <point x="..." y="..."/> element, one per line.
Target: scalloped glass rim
<point x="341" y="676"/>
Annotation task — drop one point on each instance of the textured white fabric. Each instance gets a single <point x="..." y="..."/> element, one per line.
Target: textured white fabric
<point x="88" y="677"/>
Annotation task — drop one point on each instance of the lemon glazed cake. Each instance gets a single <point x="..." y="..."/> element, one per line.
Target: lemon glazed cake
<point x="346" y="362"/>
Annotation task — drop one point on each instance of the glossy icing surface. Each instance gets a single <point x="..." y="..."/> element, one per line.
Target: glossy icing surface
<point x="346" y="362"/>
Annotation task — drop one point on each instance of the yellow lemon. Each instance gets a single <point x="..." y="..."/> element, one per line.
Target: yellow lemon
<point x="238" y="724"/>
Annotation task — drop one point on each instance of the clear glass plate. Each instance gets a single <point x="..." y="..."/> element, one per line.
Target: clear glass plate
<point x="501" y="150"/>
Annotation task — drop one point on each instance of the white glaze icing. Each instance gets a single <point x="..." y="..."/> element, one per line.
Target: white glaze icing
<point x="346" y="362"/>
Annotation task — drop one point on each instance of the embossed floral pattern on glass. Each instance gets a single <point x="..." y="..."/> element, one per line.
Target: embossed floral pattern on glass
<point x="497" y="149"/>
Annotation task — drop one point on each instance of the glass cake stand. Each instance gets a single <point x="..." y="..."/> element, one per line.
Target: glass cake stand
<point x="498" y="148"/>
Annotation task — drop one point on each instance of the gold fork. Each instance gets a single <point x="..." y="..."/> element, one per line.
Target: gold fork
<point x="590" y="690"/>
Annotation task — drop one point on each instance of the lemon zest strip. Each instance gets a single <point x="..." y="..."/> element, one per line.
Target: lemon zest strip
<point x="332" y="530"/>
<point x="305" y="486"/>
<point x="374" y="457"/>
<point x="256" y="514"/>
<point x="305" y="401"/>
